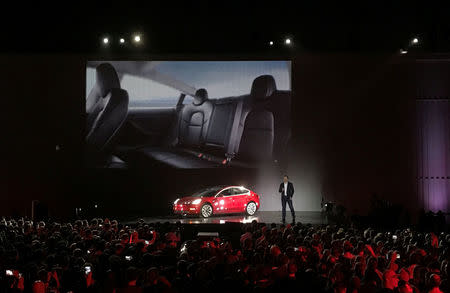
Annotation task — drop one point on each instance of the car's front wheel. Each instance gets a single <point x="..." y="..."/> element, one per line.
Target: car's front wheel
<point x="250" y="209"/>
<point x="206" y="211"/>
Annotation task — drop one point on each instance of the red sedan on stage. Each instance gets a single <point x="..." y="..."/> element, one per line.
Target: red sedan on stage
<point x="218" y="200"/>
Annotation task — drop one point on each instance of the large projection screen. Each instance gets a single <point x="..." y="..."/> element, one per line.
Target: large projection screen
<point x="187" y="114"/>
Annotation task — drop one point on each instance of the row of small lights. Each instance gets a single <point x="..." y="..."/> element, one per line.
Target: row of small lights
<point x="287" y="42"/>
<point x="135" y="39"/>
<point x="413" y="42"/>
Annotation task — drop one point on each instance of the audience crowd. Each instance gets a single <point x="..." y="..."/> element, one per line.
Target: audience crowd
<point x="106" y="256"/>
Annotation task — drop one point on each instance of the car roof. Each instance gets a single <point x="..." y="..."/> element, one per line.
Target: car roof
<point x="222" y="187"/>
<point x="146" y="69"/>
<point x="227" y="186"/>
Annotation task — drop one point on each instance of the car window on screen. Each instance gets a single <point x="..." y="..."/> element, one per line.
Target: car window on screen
<point x="188" y="100"/>
<point x="90" y="80"/>
<point x="146" y="93"/>
<point x="226" y="78"/>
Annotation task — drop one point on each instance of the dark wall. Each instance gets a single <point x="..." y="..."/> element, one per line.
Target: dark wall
<point x="354" y="121"/>
<point x="352" y="137"/>
<point x="43" y="98"/>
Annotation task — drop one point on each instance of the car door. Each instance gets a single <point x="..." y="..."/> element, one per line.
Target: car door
<point x="225" y="201"/>
<point x="240" y="198"/>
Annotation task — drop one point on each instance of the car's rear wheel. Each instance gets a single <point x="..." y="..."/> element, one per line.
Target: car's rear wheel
<point x="251" y="208"/>
<point x="206" y="211"/>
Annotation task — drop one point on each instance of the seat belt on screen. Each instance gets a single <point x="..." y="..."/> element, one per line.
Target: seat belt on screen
<point x="234" y="133"/>
<point x="173" y="141"/>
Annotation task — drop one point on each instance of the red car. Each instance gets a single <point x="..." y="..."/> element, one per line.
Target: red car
<point x="218" y="200"/>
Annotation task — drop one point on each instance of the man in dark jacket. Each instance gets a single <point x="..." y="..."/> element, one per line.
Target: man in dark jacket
<point x="287" y="191"/>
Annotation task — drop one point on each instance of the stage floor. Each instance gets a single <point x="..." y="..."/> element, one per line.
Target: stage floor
<point x="314" y="218"/>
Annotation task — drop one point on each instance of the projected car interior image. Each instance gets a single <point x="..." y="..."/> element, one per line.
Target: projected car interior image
<point x="218" y="200"/>
<point x="187" y="114"/>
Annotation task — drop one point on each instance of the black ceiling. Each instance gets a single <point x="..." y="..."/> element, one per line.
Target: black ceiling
<point x="227" y="27"/>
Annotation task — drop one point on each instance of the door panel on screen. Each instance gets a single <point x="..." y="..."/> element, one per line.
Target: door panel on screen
<point x="147" y="127"/>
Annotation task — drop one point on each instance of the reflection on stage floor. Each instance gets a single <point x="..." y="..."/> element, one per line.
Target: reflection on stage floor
<point x="260" y="217"/>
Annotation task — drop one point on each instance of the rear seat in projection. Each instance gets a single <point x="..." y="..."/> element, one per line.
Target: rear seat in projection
<point x="192" y="125"/>
<point x="252" y="129"/>
<point x="222" y="135"/>
<point x="240" y="132"/>
<point x="220" y="138"/>
<point x="220" y="141"/>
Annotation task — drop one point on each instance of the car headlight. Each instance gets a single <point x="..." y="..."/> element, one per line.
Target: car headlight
<point x="175" y="202"/>
<point x="197" y="201"/>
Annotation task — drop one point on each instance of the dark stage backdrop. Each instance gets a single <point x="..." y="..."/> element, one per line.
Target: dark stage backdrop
<point x="356" y="122"/>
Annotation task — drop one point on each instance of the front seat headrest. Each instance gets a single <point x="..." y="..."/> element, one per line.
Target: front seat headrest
<point x="107" y="78"/>
<point x="263" y="86"/>
<point x="201" y="95"/>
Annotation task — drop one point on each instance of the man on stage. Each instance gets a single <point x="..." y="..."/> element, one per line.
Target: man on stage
<point x="287" y="191"/>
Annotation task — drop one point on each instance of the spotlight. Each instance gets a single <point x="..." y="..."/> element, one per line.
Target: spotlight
<point x="137" y="38"/>
<point x="122" y="40"/>
<point x="415" y="41"/>
<point x="287" y="41"/>
<point x="105" y="41"/>
<point x="403" y="52"/>
<point x="271" y="43"/>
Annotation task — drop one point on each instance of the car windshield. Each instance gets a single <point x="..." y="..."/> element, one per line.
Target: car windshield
<point x="211" y="191"/>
